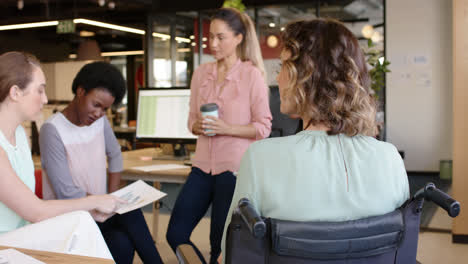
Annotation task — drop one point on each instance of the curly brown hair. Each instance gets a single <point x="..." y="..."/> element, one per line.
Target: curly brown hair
<point x="328" y="78"/>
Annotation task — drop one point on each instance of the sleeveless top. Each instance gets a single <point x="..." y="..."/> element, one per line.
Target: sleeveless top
<point x="22" y="163"/>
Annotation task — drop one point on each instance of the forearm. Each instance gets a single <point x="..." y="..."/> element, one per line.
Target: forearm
<point x="114" y="181"/>
<point x="244" y="131"/>
<point x="51" y="208"/>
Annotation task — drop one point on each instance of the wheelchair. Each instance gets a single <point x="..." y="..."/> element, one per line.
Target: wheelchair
<point x="390" y="238"/>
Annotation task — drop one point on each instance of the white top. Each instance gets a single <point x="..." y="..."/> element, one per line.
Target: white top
<point x="75" y="158"/>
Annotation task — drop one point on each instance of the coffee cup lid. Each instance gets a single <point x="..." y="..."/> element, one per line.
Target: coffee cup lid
<point x="209" y="107"/>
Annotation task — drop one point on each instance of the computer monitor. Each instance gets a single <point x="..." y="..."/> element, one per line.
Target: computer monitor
<point x="281" y="125"/>
<point x="163" y="114"/>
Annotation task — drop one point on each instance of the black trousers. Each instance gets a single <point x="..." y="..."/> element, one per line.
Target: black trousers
<point x="126" y="233"/>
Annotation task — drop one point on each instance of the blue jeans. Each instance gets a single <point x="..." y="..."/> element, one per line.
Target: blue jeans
<point x="126" y="233"/>
<point x="201" y="190"/>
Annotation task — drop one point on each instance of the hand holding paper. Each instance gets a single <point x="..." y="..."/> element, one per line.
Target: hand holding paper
<point x="137" y="195"/>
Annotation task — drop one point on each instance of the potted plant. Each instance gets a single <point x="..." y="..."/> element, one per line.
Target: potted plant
<point x="378" y="68"/>
<point x="235" y="4"/>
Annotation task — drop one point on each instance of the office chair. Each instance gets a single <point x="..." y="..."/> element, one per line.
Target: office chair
<point x="281" y="124"/>
<point x="390" y="238"/>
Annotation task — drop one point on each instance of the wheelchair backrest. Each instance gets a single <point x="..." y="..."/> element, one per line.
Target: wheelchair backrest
<point x="390" y="238"/>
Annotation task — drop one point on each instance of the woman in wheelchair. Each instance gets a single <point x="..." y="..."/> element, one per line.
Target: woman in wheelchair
<point x="333" y="170"/>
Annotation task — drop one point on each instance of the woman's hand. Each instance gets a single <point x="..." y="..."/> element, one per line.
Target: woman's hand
<point x="100" y="217"/>
<point x="216" y="125"/>
<point x="107" y="204"/>
<point x="197" y="128"/>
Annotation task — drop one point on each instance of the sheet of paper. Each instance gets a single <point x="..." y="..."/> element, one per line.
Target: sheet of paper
<point x="158" y="167"/>
<point x="137" y="194"/>
<point x="14" y="256"/>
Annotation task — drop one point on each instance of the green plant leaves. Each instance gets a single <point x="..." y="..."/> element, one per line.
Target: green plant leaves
<point x="378" y="68"/>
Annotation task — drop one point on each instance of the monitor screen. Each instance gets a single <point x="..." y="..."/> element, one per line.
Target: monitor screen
<point x="163" y="115"/>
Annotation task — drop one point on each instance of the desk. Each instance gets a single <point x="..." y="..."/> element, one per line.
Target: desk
<point x="127" y="133"/>
<point x="60" y="258"/>
<point x="132" y="159"/>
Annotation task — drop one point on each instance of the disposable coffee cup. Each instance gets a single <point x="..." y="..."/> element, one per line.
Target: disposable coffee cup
<point x="210" y="109"/>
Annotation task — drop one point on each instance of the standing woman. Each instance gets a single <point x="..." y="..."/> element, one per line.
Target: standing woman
<point x="55" y="226"/>
<point x="236" y="83"/>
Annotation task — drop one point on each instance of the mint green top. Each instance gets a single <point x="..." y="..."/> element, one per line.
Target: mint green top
<point x="312" y="176"/>
<point x="22" y="163"/>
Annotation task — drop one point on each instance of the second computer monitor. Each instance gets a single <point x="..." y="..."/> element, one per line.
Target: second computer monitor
<point x="163" y="115"/>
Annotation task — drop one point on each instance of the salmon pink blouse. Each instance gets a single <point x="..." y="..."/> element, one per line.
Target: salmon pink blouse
<point x="243" y="100"/>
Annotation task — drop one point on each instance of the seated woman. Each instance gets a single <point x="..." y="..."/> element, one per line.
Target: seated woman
<point x="76" y="147"/>
<point x="56" y="227"/>
<point x="333" y="170"/>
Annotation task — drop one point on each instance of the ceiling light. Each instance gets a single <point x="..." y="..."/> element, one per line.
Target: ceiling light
<point x="192" y="37"/>
<point x="367" y="31"/>
<point x="204" y="39"/>
<point x="282" y="28"/>
<point x="183" y="50"/>
<point x="204" y="46"/>
<point x="160" y="35"/>
<point x="29" y="25"/>
<point x="107" y="25"/>
<point x="180" y="39"/>
<point x="84" y="33"/>
<point x="114" y="53"/>
<point x="122" y="53"/>
<point x="111" y="5"/>
<point x="272" y="41"/>
<point x="20" y="4"/>
<point x="194" y="44"/>
<point x="272" y="25"/>
<point x="92" y="23"/>
<point x="376" y="37"/>
<point x="101" y="2"/>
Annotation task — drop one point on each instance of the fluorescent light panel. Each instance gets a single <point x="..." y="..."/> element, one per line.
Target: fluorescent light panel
<point x="115" y="53"/>
<point x="107" y="25"/>
<point x="122" y="53"/>
<point x="93" y="23"/>
<point x="125" y="53"/>
<point x="29" y="25"/>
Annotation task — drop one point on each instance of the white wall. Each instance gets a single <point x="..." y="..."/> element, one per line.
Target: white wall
<point x="419" y="88"/>
<point x="59" y="78"/>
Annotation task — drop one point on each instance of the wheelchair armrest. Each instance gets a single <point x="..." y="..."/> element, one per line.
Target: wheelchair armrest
<point x="431" y="193"/>
<point x="252" y="219"/>
<point x="187" y="255"/>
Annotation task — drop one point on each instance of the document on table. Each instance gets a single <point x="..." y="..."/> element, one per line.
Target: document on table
<point x="137" y="194"/>
<point x="158" y="167"/>
<point x="12" y="256"/>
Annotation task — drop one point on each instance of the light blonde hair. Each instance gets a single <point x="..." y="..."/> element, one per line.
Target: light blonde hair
<point x="240" y="23"/>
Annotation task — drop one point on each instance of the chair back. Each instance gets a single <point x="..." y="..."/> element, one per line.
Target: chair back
<point x="390" y="238"/>
<point x="38" y="177"/>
